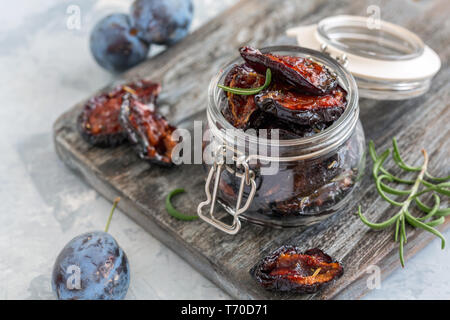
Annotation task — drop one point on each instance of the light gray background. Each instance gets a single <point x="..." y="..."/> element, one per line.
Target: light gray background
<point x="45" y="68"/>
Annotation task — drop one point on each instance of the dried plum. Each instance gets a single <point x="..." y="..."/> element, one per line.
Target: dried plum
<point x="146" y="91"/>
<point x="240" y="108"/>
<point x="294" y="194"/>
<point x="318" y="200"/>
<point x="303" y="74"/>
<point x="148" y="130"/>
<point x="288" y="269"/>
<point x="286" y="104"/>
<point x="286" y="130"/>
<point x="99" y="123"/>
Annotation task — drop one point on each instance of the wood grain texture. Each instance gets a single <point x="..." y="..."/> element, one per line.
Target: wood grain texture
<point x="185" y="71"/>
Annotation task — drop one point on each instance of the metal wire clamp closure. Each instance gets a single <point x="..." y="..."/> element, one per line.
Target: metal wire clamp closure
<point x="342" y="59"/>
<point x="247" y="178"/>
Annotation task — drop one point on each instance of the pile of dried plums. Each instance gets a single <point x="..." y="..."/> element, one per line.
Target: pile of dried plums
<point x="129" y="113"/>
<point x="302" y="99"/>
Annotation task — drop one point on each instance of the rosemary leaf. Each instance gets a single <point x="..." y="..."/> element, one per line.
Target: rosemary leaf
<point x="398" y="159"/>
<point x="443" y="179"/>
<point x="251" y="91"/>
<point x="432" y="212"/>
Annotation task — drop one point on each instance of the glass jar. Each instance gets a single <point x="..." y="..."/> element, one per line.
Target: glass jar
<point x="282" y="183"/>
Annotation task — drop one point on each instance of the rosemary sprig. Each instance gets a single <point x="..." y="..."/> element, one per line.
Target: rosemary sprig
<point x="248" y="92"/>
<point x="434" y="216"/>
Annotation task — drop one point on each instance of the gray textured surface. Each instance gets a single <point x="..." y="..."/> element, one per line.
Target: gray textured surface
<point x="225" y="260"/>
<point x="45" y="66"/>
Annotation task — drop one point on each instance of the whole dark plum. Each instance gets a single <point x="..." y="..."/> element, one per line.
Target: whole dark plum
<point x="162" y="21"/>
<point x="115" y="45"/>
<point x="91" y="266"/>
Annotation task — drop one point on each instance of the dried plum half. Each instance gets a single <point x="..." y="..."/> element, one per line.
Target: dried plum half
<point x="288" y="269"/>
<point x="240" y="108"/>
<point x="286" y="104"/>
<point x="99" y="124"/>
<point x="146" y="91"/>
<point x="317" y="201"/>
<point x="148" y="130"/>
<point x="286" y="130"/>
<point x="303" y="74"/>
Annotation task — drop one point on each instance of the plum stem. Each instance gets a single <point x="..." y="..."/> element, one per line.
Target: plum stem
<point x="116" y="201"/>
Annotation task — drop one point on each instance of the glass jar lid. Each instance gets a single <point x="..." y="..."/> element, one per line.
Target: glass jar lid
<point x="388" y="62"/>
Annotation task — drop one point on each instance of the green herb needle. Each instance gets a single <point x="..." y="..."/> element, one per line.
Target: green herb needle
<point x="174" y="212"/>
<point x="248" y="92"/>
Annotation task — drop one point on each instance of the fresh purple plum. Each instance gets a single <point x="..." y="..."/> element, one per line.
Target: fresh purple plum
<point x="115" y="45"/>
<point x="99" y="263"/>
<point x="92" y="266"/>
<point x="162" y="21"/>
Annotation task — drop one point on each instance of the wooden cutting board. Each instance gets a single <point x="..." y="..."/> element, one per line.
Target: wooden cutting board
<point x="185" y="71"/>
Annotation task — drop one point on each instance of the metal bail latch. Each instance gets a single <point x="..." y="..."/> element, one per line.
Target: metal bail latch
<point x="247" y="178"/>
<point x="342" y="59"/>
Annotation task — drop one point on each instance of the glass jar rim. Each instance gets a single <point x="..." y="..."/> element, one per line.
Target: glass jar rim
<point x="338" y="131"/>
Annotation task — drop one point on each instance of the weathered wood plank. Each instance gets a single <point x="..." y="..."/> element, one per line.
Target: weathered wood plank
<point x="185" y="71"/>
